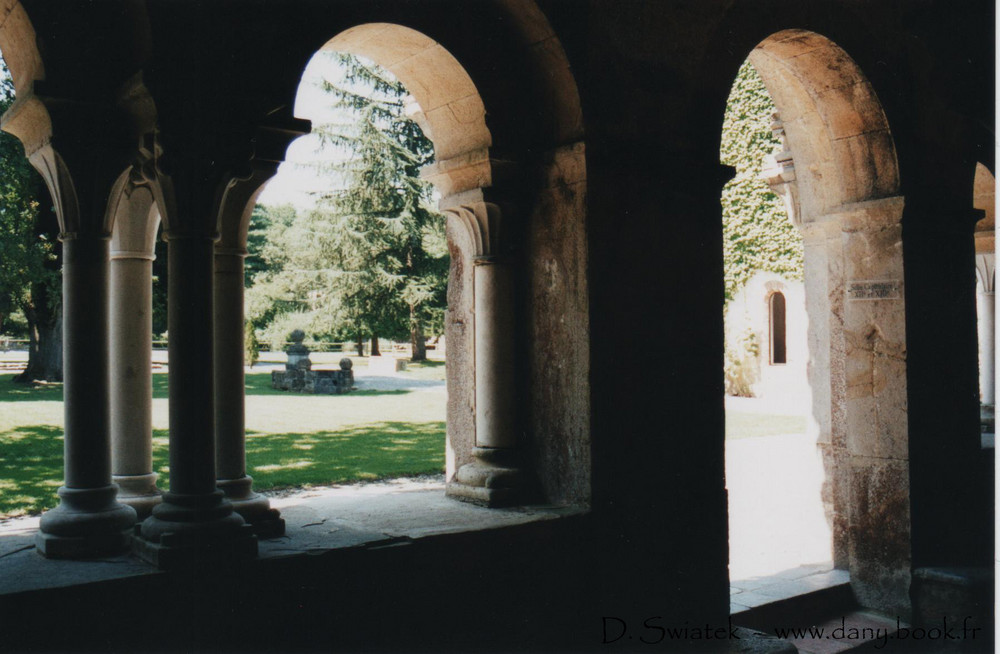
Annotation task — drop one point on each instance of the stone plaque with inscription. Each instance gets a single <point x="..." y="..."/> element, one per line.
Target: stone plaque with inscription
<point x="875" y="290"/>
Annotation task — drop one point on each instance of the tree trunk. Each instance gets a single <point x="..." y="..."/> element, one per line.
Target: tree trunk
<point x="45" y="345"/>
<point x="360" y="345"/>
<point x="418" y="341"/>
<point x="375" y="351"/>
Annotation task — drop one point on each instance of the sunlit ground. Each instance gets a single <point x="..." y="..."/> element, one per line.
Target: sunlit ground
<point x="774" y="476"/>
<point x="292" y="440"/>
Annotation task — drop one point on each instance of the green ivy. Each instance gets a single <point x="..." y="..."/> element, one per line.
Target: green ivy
<point x="757" y="234"/>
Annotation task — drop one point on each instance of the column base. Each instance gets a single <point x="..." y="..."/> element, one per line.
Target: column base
<point x="186" y="531"/>
<point x="87" y="523"/>
<point x="494" y="479"/>
<point x="987" y="418"/>
<point x="255" y="509"/>
<point x="139" y="492"/>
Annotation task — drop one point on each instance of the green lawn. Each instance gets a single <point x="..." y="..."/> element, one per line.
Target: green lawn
<point x="292" y="440"/>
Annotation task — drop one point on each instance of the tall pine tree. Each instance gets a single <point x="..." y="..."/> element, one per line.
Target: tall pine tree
<point x="387" y="243"/>
<point x="371" y="260"/>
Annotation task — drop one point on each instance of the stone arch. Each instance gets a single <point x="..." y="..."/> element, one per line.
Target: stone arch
<point x="540" y="190"/>
<point x="843" y="149"/>
<point x="839" y="177"/>
<point x="19" y="46"/>
<point x="452" y="113"/>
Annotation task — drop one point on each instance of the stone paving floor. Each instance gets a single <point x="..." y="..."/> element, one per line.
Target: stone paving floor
<point x="316" y="520"/>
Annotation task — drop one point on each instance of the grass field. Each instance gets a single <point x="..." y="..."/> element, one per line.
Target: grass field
<point x="292" y="440"/>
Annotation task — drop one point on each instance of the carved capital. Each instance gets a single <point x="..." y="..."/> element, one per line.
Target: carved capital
<point x="81" y="148"/>
<point x="269" y="146"/>
<point x="986" y="272"/>
<point x="779" y="173"/>
<point x="482" y="221"/>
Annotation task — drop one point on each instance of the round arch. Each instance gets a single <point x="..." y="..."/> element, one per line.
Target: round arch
<point x="843" y="150"/>
<point x="839" y="178"/>
<point x="527" y="212"/>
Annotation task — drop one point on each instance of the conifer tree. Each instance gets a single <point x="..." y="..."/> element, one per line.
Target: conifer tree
<point x="388" y="244"/>
<point x="371" y="260"/>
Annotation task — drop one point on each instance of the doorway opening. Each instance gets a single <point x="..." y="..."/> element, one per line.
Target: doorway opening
<point x="832" y="167"/>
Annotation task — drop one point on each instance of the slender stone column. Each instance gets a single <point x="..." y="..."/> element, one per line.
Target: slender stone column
<point x="195" y="522"/>
<point x="230" y="428"/>
<point x="985" y="308"/>
<point x="496" y="426"/>
<point x="88" y="521"/>
<point x="496" y="477"/>
<point x="131" y="367"/>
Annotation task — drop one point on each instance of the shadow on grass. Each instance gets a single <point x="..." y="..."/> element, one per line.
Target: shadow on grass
<point x="366" y="452"/>
<point x="30" y="469"/>
<point x="31" y="459"/>
<point x="11" y="392"/>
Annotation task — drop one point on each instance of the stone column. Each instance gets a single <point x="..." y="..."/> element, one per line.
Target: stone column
<point x="824" y="293"/>
<point x="985" y="309"/>
<point x="88" y="521"/>
<point x="496" y="477"/>
<point x="235" y="210"/>
<point x="131" y="348"/>
<point x="83" y="164"/>
<point x="877" y="418"/>
<point x="195" y="522"/>
<point x="496" y="426"/>
<point x="230" y="430"/>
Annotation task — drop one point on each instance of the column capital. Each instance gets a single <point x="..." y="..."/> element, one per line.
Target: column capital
<point x="986" y="272"/>
<point x="83" y="149"/>
<point x="483" y="222"/>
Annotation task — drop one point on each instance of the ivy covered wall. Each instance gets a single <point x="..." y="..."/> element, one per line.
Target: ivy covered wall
<point x="757" y="234"/>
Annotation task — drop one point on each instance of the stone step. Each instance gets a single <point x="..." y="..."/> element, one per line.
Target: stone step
<point x="856" y="631"/>
<point x="803" y="609"/>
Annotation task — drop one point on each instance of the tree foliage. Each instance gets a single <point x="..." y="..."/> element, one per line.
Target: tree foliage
<point x="30" y="254"/>
<point x="757" y="234"/>
<point x="371" y="259"/>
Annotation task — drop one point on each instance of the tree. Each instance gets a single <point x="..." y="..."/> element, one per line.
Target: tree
<point x="388" y="243"/>
<point x="30" y="254"/>
<point x="757" y="234"/>
<point x="371" y="259"/>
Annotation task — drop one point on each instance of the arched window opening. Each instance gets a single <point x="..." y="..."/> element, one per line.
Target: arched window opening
<point x="834" y="167"/>
<point x="346" y="291"/>
<point x="432" y="252"/>
<point x="777" y="328"/>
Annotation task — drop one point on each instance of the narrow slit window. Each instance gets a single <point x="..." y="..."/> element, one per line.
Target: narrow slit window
<point x="777" y="318"/>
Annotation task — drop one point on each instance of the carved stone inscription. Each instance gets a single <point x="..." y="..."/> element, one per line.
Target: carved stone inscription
<point x="875" y="290"/>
